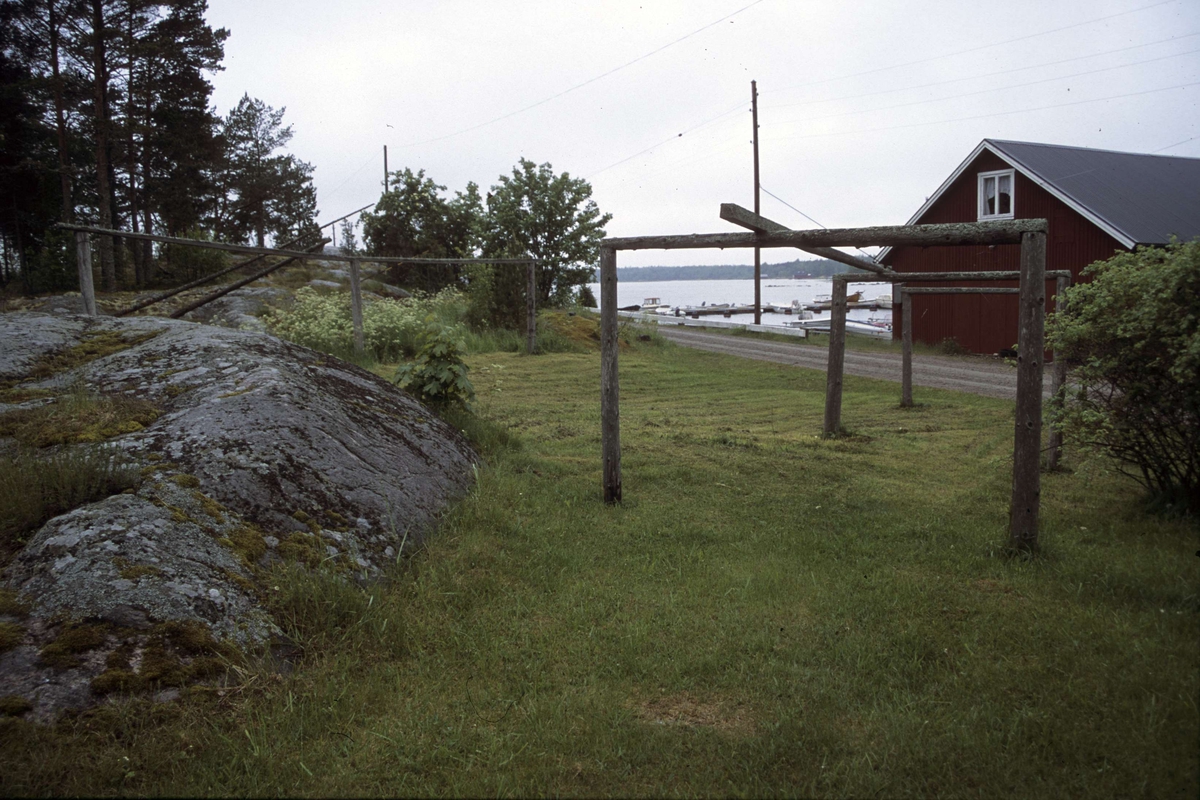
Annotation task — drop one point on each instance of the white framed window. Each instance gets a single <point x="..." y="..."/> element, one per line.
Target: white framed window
<point x="996" y="197"/>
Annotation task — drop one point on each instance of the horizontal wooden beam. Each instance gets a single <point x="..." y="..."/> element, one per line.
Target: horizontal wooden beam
<point x="272" y="251"/>
<point x="732" y="212"/>
<point x="960" y="290"/>
<point x="919" y="277"/>
<point x="224" y="290"/>
<point x="960" y="233"/>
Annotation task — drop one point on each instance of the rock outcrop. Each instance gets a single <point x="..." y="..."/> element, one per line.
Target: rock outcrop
<point x="264" y="451"/>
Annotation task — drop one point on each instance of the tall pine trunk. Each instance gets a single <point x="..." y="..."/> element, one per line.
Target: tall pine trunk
<point x="108" y="274"/>
<point x="131" y="164"/>
<point x="64" y="175"/>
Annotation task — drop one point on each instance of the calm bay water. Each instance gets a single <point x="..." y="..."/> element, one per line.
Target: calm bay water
<point x="780" y="291"/>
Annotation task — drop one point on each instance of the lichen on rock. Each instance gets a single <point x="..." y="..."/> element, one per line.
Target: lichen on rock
<point x="262" y="451"/>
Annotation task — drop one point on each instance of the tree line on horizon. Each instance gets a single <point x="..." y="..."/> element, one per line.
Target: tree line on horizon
<point x="105" y="120"/>
<point x="816" y="268"/>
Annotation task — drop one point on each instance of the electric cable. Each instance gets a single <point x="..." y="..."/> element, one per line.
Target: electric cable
<point x="987" y="116"/>
<point x="976" y="93"/>
<point x="709" y="121"/>
<point x="584" y="83"/>
<point x="974" y="49"/>
<point x="807" y="217"/>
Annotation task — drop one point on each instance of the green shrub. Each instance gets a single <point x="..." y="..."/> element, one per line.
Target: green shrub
<point x="585" y="297"/>
<point x="391" y="328"/>
<point x="951" y="347"/>
<point x="438" y="376"/>
<point x="1132" y="336"/>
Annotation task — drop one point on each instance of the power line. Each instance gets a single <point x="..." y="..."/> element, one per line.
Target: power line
<point x="975" y="49"/>
<point x="810" y="219"/>
<point x="793" y="208"/>
<point x="981" y="91"/>
<point x="338" y="188"/>
<point x="676" y="137"/>
<point x="983" y="75"/>
<point x="1173" y="146"/>
<point x="986" y="116"/>
<point x="584" y="83"/>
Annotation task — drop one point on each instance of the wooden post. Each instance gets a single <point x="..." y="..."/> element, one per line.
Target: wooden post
<point x="610" y="395"/>
<point x="531" y="310"/>
<point x="1027" y="442"/>
<point x="83" y="252"/>
<point x="356" y="308"/>
<point x="1058" y="377"/>
<point x="906" y="317"/>
<point x="757" y="250"/>
<point x="837" y="360"/>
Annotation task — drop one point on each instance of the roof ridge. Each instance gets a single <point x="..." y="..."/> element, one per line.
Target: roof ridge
<point x="1089" y="149"/>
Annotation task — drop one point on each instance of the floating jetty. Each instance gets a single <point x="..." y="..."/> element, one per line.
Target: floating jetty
<point x="728" y="310"/>
<point x="883" y="302"/>
<point x="852" y="326"/>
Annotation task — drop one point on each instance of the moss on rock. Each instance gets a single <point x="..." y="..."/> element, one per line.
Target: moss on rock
<point x="11" y="635"/>
<point x="73" y="639"/>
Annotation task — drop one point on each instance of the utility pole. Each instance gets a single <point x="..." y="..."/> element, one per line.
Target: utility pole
<point x="385" y="174"/>
<point x="757" y="251"/>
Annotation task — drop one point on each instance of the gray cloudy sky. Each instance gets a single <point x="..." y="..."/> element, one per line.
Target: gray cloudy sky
<point x="864" y="108"/>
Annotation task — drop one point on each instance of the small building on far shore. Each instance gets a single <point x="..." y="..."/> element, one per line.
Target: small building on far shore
<point x="1097" y="202"/>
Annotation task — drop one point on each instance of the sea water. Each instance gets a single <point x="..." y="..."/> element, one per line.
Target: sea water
<point x="775" y="291"/>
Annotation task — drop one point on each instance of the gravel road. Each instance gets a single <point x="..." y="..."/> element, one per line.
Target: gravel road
<point x="978" y="375"/>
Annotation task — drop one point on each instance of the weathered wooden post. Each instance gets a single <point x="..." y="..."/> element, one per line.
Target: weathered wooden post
<point x="83" y="257"/>
<point x="531" y="310"/>
<point x="610" y="410"/>
<point x="1027" y="443"/>
<point x="906" y="344"/>
<point x="837" y="359"/>
<point x="1058" y="376"/>
<point x="356" y="308"/>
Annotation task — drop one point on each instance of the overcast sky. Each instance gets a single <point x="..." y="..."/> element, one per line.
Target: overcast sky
<point x="864" y="108"/>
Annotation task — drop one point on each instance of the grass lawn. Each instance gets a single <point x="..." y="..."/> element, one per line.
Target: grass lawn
<point x="767" y="614"/>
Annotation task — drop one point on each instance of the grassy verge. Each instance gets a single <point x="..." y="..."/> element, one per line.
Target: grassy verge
<point x="769" y="613"/>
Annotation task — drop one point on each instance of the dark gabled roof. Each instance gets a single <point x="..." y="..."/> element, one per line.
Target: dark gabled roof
<point x="1147" y="198"/>
<point x="1136" y="198"/>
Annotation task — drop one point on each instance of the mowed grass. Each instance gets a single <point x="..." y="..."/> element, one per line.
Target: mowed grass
<point x="768" y="613"/>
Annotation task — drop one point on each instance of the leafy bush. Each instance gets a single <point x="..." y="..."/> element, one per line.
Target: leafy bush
<point x="951" y="347"/>
<point x="439" y="375"/>
<point x="586" y="298"/>
<point x="1132" y="336"/>
<point x="391" y="328"/>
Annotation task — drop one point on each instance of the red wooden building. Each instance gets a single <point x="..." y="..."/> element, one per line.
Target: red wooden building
<point x="1097" y="202"/>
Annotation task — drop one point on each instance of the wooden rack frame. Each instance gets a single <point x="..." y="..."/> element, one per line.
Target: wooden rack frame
<point x="1030" y="234"/>
<point x="1058" y="373"/>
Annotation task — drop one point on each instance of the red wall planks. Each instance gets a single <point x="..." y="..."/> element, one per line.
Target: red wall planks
<point x="988" y="323"/>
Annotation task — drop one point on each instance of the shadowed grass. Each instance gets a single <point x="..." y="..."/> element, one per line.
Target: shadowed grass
<point x="769" y="613"/>
<point x="37" y="486"/>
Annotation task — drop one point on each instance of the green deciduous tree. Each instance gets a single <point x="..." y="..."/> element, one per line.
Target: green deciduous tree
<point x="534" y="212"/>
<point x="1132" y="336"/>
<point x="414" y="219"/>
